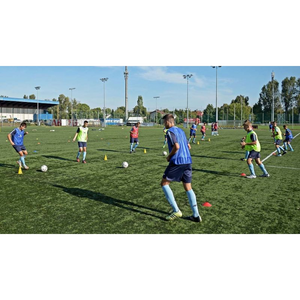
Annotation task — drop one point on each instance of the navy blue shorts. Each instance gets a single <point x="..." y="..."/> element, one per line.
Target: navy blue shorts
<point x="288" y="140"/>
<point x="133" y="140"/>
<point x="81" y="144"/>
<point x="178" y="173"/>
<point x="278" y="142"/>
<point x="253" y="154"/>
<point x="193" y="133"/>
<point x="19" y="148"/>
<point x="203" y="132"/>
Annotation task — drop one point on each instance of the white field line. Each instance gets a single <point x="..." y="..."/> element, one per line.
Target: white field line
<point x="283" y="167"/>
<point x="276" y="150"/>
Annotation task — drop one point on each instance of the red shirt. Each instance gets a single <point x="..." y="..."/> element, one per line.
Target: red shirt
<point x="134" y="133"/>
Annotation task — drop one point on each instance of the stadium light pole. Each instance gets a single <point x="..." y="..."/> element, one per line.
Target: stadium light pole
<point x="37" y="104"/>
<point x="156" y="97"/>
<point x="126" y="93"/>
<point x="104" y="115"/>
<point x="272" y="116"/>
<point x="187" y="76"/>
<point x="71" y="89"/>
<point x="216" y="67"/>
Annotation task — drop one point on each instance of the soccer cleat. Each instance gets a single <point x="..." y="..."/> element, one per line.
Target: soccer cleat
<point x="77" y="159"/>
<point x="284" y="152"/>
<point x="251" y="176"/>
<point x="265" y="175"/>
<point x="195" y="219"/>
<point x="84" y="162"/>
<point x="278" y="155"/>
<point x="174" y="215"/>
<point x="26" y="168"/>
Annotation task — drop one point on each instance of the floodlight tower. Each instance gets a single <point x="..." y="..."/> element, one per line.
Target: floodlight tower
<point x="216" y="67"/>
<point x="37" y="104"/>
<point x="104" y="115"/>
<point x="187" y="97"/>
<point x="156" y="97"/>
<point x="272" y="115"/>
<point x="71" y="89"/>
<point x="126" y="95"/>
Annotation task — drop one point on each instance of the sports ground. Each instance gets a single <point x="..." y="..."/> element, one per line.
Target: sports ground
<point x="101" y="197"/>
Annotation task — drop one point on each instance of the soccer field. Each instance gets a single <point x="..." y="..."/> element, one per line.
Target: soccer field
<point x="102" y="197"/>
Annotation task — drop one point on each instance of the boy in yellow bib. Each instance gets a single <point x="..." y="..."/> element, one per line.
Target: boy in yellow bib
<point x="82" y="137"/>
<point x="252" y="145"/>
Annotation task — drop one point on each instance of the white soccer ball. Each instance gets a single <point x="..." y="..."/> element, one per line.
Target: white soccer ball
<point x="164" y="153"/>
<point x="44" y="168"/>
<point x="125" y="164"/>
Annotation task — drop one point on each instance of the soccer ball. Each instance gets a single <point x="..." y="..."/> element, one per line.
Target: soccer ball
<point x="125" y="164"/>
<point x="44" y="168"/>
<point x="164" y="153"/>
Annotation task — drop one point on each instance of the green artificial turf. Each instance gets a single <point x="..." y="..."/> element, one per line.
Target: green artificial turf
<point x="103" y="197"/>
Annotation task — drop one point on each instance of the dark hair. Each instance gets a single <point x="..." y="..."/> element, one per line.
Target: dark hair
<point x="23" y="124"/>
<point x="168" y="117"/>
<point x="85" y="122"/>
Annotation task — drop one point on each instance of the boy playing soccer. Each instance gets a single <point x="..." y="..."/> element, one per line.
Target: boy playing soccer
<point x="203" y="129"/>
<point x="179" y="169"/>
<point x="193" y="130"/>
<point x="278" y="139"/>
<point x="82" y="138"/>
<point x="288" y="138"/>
<point x="252" y="145"/>
<point x="134" y="137"/>
<point x="16" y="138"/>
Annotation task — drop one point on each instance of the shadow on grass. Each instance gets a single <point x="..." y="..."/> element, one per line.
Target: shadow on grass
<point x="58" y="157"/>
<point x="238" y="152"/>
<point x="222" y="173"/>
<point x="82" y="193"/>
<point x="9" y="166"/>
<point x="214" y="157"/>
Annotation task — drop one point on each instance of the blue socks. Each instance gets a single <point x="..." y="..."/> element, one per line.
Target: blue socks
<point x="170" y="197"/>
<point x="22" y="158"/>
<point x="135" y="146"/>
<point x="84" y="155"/>
<point x="193" y="202"/>
<point x="262" y="167"/>
<point x="251" y="168"/>
<point x="78" y="154"/>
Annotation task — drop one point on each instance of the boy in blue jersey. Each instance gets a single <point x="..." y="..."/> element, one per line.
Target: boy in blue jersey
<point x="16" y="138"/>
<point x="193" y="130"/>
<point x="179" y="169"/>
<point x="288" y="138"/>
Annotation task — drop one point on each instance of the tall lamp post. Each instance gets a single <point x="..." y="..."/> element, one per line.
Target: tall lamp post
<point x="104" y="115"/>
<point x="187" y="76"/>
<point x="216" y="67"/>
<point x="126" y="93"/>
<point x="71" y="89"/>
<point x="37" y="104"/>
<point x="156" y="97"/>
<point x="273" y="106"/>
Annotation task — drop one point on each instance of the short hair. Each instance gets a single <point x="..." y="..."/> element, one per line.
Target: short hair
<point x="247" y="123"/>
<point x="284" y="126"/>
<point x="168" y="118"/>
<point x="23" y="124"/>
<point x="85" y="122"/>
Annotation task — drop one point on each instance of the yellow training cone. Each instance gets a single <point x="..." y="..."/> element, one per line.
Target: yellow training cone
<point x="105" y="157"/>
<point x="198" y="143"/>
<point x="145" y="151"/>
<point x="209" y="140"/>
<point x="20" y="171"/>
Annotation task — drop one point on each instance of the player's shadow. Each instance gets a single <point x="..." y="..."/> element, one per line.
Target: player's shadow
<point x="214" y="157"/>
<point x="82" y="193"/>
<point x="8" y="166"/>
<point x="239" y="152"/>
<point x="222" y="173"/>
<point x="57" y="157"/>
<point x="111" y="150"/>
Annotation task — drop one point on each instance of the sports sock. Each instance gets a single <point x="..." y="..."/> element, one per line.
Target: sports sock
<point x="278" y="150"/>
<point x="193" y="202"/>
<point x="246" y="154"/>
<point x="251" y="168"/>
<point x="284" y="145"/>
<point x="23" y="160"/>
<point x="170" y="197"/>
<point x="135" y="146"/>
<point x="78" y="154"/>
<point x="262" y="167"/>
<point x="131" y="145"/>
<point x="194" y="140"/>
<point x="189" y="140"/>
<point x="281" y="148"/>
<point x="290" y="146"/>
<point x="84" y="155"/>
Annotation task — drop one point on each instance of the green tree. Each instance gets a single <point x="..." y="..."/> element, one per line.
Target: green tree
<point x="139" y="109"/>
<point x="288" y="92"/>
<point x="25" y="97"/>
<point x="266" y="96"/>
<point x="32" y="96"/>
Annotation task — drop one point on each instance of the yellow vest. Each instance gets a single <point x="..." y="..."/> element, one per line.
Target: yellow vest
<point x="252" y="147"/>
<point x="279" y="134"/>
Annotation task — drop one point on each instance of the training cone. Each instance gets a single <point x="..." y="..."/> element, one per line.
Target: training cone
<point x="243" y="175"/>
<point x="207" y="204"/>
<point x="20" y="171"/>
<point x="209" y="140"/>
<point x="145" y="151"/>
<point x="198" y="143"/>
<point x="105" y="157"/>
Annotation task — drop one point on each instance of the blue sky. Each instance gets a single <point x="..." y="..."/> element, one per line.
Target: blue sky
<point x="165" y="82"/>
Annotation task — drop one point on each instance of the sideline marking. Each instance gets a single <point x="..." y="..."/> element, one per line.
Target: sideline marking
<point x="276" y="150"/>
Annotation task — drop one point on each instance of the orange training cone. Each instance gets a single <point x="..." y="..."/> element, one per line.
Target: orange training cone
<point x="207" y="204"/>
<point x="243" y="175"/>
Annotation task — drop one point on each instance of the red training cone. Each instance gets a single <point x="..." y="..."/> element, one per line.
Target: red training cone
<point x="206" y="204"/>
<point x="243" y="174"/>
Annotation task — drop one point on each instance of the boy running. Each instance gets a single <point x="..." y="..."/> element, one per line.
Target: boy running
<point x="179" y="169"/>
<point x="252" y="145"/>
<point x="16" y="138"/>
<point x="82" y="138"/>
<point x="193" y="130"/>
<point x="134" y="137"/>
<point x="288" y="138"/>
<point x="203" y="129"/>
<point x="278" y="139"/>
